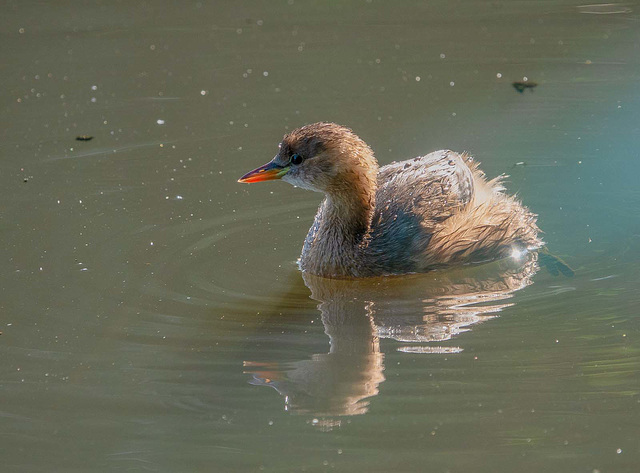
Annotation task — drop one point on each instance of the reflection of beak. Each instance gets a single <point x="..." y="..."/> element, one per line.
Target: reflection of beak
<point x="268" y="172"/>
<point x="265" y="373"/>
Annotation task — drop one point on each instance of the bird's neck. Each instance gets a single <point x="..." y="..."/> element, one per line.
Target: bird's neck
<point x="334" y="244"/>
<point x="348" y="218"/>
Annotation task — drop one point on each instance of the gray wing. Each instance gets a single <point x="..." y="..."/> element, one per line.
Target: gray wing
<point x="413" y="197"/>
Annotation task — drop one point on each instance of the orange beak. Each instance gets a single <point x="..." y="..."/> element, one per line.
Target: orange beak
<point x="268" y="172"/>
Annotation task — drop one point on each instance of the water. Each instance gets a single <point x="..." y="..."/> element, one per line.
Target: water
<point x="153" y="316"/>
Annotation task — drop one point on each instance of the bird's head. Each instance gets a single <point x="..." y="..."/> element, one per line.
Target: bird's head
<point x="323" y="157"/>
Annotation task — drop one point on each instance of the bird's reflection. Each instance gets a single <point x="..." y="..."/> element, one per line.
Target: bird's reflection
<point x="419" y="311"/>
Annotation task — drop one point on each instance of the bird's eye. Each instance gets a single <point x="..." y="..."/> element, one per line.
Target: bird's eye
<point x="296" y="159"/>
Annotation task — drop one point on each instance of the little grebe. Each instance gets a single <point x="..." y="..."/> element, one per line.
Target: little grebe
<point x="411" y="216"/>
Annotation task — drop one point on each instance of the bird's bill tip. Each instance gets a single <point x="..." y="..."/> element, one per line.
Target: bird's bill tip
<point x="267" y="172"/>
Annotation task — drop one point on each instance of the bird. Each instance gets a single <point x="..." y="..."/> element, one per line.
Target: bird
<point x="423" y="214"/>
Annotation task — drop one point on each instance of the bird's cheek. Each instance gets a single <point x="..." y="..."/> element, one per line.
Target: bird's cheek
<point x="296" y="180"/>
<point x="293" y="178"/>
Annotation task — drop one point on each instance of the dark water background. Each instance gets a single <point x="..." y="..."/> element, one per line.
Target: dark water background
<point x="147" y="298"/>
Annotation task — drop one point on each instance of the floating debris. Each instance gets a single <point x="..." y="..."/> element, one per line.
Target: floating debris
<point x="521" y="85"/>
<point x="84" y="138"/>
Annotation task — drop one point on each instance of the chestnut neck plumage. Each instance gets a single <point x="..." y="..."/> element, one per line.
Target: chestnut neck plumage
<point x="335" y="243"/>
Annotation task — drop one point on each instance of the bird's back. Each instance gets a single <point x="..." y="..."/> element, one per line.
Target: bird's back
<point x="437" y="210"/>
